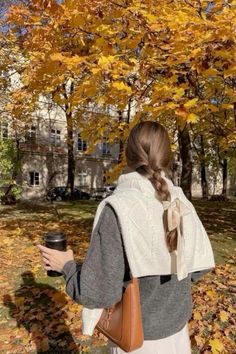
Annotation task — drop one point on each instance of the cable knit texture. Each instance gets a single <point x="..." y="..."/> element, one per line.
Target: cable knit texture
<point x="140" y="216"/>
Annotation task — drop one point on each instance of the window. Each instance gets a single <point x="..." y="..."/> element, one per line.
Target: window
<point x="82" y="177"/>
<point x="3" y="130"/>
<point x="82" y="144"/>
<point x="30" y="136"/>
<point x="105" y="147"/>
<point x="55" y="137"/>
<point x="34" y="178"/>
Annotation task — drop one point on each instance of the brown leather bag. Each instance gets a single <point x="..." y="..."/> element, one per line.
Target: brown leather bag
<point x="122" y="323"/>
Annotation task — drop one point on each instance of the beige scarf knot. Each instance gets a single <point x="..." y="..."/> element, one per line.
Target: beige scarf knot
<point x="176" y="209"/>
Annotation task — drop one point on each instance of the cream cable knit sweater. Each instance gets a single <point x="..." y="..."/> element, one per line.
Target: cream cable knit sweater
<point x="140" y="216"/>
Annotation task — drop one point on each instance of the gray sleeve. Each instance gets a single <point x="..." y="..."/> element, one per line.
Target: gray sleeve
<point x="195" y="276"/>
<point x="98" y="282"/>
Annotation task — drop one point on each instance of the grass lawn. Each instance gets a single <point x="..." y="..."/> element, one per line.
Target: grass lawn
<point x="36" y="315"/>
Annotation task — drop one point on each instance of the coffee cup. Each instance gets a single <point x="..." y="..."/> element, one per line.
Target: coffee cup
<point x="57" y="241"/>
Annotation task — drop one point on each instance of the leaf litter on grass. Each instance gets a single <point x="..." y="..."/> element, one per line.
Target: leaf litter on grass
<point x="36" y="315"/>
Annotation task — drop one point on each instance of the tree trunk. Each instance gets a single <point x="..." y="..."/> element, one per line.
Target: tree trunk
<point x="17" y="160"/>
<point x="121" y="143"/>
<point x="235" y="113"/>
<point x="185" y="154"/>
<point x="68" y="89"/>
<point x="70" y="156"/>
<point x="204" y="184"/>
<point x="225" y="176"/>
<point x="120" y="118"/>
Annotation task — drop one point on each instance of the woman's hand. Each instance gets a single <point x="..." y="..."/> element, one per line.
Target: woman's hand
<point x="55" y="260"/>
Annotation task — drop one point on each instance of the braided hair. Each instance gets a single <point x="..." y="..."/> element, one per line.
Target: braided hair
<point x="148" y="152"/>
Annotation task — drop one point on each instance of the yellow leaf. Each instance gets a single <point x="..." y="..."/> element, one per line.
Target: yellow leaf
<point x="133" y="60"/>
<point x="223" y="54"/>
<point x="216" y="346"/>
<point x="179" y="93"/>
<point x="227" y="106"/>
<point x="172" y="105"/>
<point x="197" y="315"/>
<point x="57" y="57"/>
<point x="151" y="17"/>
<point x="95" y="70"/>
<point x="173" y="147"/>
<point x="104" y="61"/>
<point x="230" y="71"/>
<point x="121" y="86"/>
<point x="192" y="117"/>
<point x="196" y="52"/>
<point x="191" y="103"/>
<point x="224" y="316"/>
<point x="211" y="293"/>
<point x="210" y="72"/>
<point x="156" y="27"/>
<point x="35" y="268"/>
<point x="213" y="108"/>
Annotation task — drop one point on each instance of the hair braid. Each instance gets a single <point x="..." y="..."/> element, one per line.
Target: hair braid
<point x="161" y="188"/>
<point x="148" y="152"/>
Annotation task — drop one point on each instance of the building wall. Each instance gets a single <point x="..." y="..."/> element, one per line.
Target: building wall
<point x="52" y="170"/>
<point x="50" y="162"/>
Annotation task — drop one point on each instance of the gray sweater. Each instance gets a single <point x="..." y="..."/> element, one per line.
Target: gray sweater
<point x="166" y="303"/>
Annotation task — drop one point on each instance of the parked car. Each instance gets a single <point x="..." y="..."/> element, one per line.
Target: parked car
<point x="98" y="194"/>
<point x="101" y="193"/>
<point x="62" y="193"/>
<point x="108" y="191"/>
<point x="78" y="194"/>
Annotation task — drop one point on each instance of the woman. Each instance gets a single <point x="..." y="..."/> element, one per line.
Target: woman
<point x="149" y="227"/>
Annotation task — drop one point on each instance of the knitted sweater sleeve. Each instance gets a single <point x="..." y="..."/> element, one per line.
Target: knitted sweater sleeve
<point x="98" y="282"/>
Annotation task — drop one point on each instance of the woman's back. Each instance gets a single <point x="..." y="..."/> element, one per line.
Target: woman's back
<point x="166" y="302"/>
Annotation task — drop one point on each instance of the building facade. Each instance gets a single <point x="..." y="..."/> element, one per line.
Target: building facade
<point x="43" y="148"/>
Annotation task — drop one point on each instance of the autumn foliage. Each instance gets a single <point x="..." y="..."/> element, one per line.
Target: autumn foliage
<point x="107" y="61"/>
<point x="107" y="65"/>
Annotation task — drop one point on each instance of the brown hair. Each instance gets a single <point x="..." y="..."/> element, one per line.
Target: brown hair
<point x="148" y="151"/>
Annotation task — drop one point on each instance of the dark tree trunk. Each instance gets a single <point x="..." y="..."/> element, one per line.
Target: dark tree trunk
<point x="120" y="118"/>
<point x="121" y="143"/>
<point x="223" y="162"/>
<point x="70" y="138"/>
<point x="9" y="197"/>
<point x="185" y="154"/>
<point x="17" y="160"/>
<point x="204" y="184"/>
<point x="70" y="157"/>
<point x="235" y="113"/>
<point x="225" y="176"/>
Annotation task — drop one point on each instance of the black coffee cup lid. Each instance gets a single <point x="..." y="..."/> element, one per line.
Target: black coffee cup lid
<point x="54" y="236"/>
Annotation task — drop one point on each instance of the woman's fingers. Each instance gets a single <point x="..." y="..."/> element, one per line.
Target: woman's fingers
<point x="46" y="253"/>
<point x="46" y="260"/>
<point x="45" y="250"/>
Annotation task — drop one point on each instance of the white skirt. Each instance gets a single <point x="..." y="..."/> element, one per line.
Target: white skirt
<point x="178" y="343"/>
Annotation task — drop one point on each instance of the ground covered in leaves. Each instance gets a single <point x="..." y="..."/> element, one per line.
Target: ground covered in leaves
<point x="37" y="316"/>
